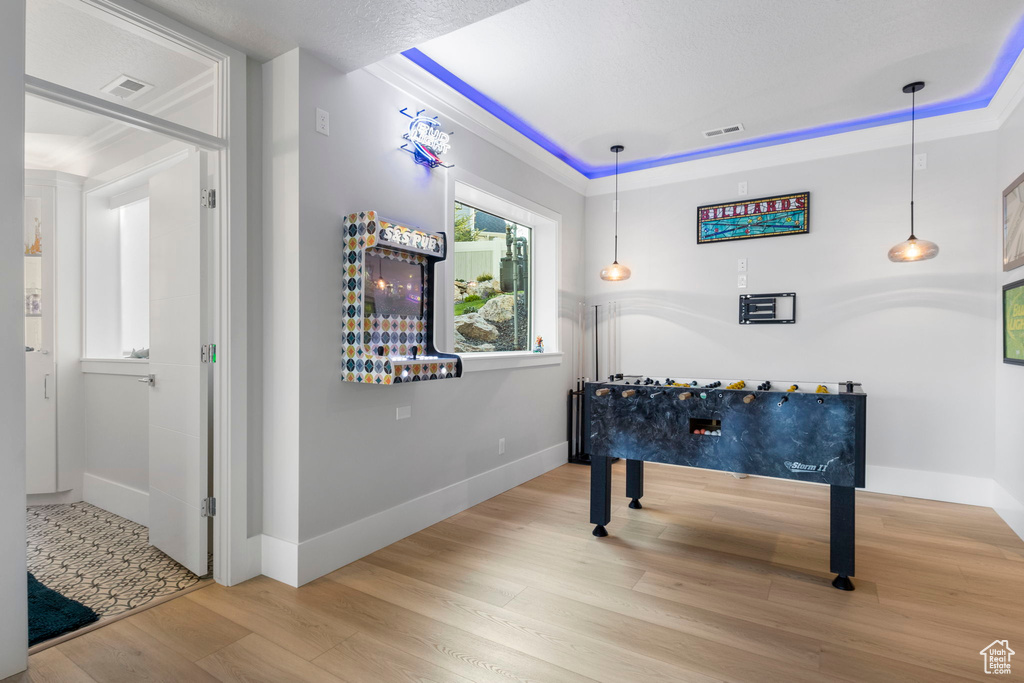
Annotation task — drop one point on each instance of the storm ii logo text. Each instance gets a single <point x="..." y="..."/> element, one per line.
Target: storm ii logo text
<point x="794" y="466"/>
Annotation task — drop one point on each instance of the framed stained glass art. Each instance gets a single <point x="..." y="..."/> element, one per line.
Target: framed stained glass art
<point x="786" y="214"/>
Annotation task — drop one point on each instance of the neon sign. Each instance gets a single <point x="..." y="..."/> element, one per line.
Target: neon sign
<point x="426" y="142"/>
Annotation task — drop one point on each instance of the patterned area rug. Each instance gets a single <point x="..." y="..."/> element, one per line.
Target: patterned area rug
<point x="99" y="559"/>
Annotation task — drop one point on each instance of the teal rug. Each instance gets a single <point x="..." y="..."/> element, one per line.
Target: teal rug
<point x="50" y="614"/>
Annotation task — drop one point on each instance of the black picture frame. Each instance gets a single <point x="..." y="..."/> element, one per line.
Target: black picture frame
<point x="1017" y="286"/>
<point x="1013" y="224"/>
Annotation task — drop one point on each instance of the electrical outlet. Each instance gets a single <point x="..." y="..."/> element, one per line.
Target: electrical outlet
<point x="501" y="446"/>
<point x="741" y="265"/>
<point x="403" y="412"/>
<point x="323" y="122"/>
<point x="741" y="281"/>
<point x="920" y="162"/>
<point x="741" y="188"/>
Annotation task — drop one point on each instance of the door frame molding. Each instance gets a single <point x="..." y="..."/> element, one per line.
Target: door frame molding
<point x="229" y="324"/>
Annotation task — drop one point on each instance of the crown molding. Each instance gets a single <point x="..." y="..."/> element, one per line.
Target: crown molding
<point x="414" y="81"/>
<point x="56" y="178"/>
<point x="400" y="73"/>
<point x="1010" y="93"/>
<point x="842" y="144"/>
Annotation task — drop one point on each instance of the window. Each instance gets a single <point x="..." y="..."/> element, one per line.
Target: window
<point x="493" y="277"/>
<point x="135" y="277"/>
<point x="485" y="216"/>
<point x="117" y="274"/>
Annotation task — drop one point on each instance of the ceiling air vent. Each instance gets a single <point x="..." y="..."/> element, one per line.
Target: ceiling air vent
<point x="715" y="132"/>
<point x="126" y="87"/>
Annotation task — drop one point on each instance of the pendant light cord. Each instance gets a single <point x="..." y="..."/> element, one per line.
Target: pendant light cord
<point x="913" y="157"/>
<point x="616" y="259"/>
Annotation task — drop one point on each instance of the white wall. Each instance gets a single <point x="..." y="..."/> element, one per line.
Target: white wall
<point x="1009" y="384"/>
<point x="354" y="459"/>
<point x="281" y="299"/>
<point x="116" y="409"/>
<point x="13" y="629"/>
<point x="910" y="332"/>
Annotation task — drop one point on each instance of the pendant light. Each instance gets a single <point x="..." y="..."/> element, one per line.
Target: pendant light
<point x="913" y="249"/>
<point x="616" y="271"/>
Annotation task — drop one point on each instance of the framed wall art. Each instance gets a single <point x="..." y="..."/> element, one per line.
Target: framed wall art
<point x="1013" y="323"/>
<point x="1013" y="224"/>
<point x="786" y="214"/>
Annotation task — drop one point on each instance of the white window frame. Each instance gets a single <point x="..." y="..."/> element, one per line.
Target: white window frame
<point x="545" y="272"/>
<point x="235" y="558"/>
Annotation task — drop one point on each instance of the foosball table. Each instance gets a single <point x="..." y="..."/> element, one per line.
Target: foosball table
<point x="812" y="432"/>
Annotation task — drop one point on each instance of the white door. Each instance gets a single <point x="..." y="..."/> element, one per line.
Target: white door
<point x="40" y="369"/>
<point x="178" y="402"/>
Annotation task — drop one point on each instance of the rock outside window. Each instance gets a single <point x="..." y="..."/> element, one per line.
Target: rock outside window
<point x="493" y="272"/>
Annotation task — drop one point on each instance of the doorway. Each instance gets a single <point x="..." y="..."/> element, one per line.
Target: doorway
<point x="121" y="244"/>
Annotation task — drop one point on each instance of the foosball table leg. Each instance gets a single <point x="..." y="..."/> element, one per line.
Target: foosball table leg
<point x="600" y="493"/>
<point x="635" y="482"/>
<point x="842" y="536"/>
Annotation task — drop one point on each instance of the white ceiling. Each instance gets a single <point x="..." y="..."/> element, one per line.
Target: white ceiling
<point x="60" y="138"/>
<point x="79" y="46"/>
<point x="653" y="75"/>
<point x="346" y="33"/>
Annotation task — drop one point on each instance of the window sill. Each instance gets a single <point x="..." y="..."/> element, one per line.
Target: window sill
<point x="135" y="367"/>
<point x="478" y="362"/>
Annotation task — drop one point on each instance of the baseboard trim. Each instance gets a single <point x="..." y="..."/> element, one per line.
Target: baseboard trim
<point x="122" y="500"/>
<point x="279" y="560"/>
<point x="59" y="498"/>
<point x="949" y="488"/>
<point x="297" y="564"/>
<point x="1009" y="508"/>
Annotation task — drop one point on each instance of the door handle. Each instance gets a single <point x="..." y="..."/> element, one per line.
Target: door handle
<point x="148" y="379"/>
<point x="46" y="387"/>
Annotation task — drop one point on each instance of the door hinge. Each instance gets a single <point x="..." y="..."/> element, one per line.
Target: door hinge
<point x="208" y="199"/>
<point x="208" y="354"/>
<point x="208" y="508"/>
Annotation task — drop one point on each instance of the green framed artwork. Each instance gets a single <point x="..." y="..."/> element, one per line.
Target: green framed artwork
<point x="1013" y="323"/>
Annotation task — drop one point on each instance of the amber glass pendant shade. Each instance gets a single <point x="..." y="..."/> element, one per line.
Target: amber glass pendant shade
<point x="913" y="249"/>
<point x="615" y="272"/>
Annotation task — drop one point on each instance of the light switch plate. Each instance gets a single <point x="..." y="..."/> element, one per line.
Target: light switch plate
<point x="741" y="188"/>
<point x="501" y="446"/>
<point x="741" y="281"/>
<point x="741" y="265"/>
<point x="920" y="161"/>
<point x="403" y="412"/>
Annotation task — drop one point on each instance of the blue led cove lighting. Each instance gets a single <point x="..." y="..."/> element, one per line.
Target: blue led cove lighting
<point x="976" y="99"/>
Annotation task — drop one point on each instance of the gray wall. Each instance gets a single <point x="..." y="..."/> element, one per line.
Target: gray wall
<point x="13" y="630"/>
<point x="254" y="160"/>
<point x="354" y="459"/>
<point x="909" y="331"/>
<point x="1009" y="393"/>
<point x="116" y="410"/>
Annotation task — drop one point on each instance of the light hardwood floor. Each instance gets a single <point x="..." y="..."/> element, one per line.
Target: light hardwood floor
<point x="715" y="579"/>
